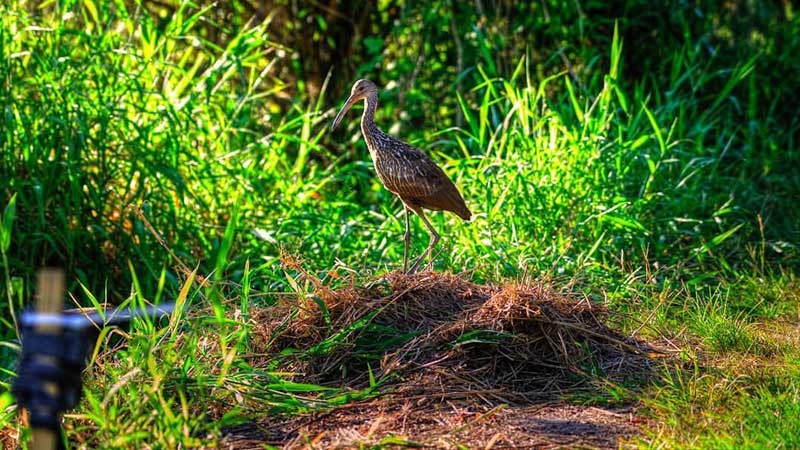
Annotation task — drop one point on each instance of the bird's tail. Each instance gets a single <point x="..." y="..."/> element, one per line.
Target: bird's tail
<point x="464" y="213"/>
<point x="457" y="204"/>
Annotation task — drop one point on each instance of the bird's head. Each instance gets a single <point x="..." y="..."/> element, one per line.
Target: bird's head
<point x="361" y="90"/>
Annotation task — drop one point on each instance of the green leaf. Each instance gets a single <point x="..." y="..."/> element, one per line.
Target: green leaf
<point x="662" y="145"/>
<point x="616" y="52"/>
<point x="722" y="237"/>
<point x="628" y="223"/>
<point x="225" y="246"/>
<point x="7" y="222"/>
<point x="324" y="308"/>
<point x="92" y="8"/>
<point x="574" y="100"/>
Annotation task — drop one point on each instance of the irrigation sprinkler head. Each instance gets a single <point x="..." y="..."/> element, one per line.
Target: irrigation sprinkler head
<point x="54" y="351"/>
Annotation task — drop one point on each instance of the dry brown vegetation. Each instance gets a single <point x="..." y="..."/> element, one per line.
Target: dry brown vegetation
<point x="455" y="361"/>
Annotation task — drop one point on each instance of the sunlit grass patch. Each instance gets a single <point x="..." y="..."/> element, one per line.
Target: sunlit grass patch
<point x="747" y="410"/>
<point x="744" y="381"/>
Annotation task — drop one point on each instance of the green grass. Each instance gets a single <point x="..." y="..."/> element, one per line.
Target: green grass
<point x="670" y="198"/>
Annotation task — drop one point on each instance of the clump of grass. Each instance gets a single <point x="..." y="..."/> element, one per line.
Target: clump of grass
<point x="748" y="410"/>
<point x="107" y="109"/>
<point x="727" y="334"/>
<point x="744" y="374"/>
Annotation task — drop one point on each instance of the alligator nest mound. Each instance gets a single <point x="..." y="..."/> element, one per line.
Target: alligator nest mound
<point x="438" y="334"/>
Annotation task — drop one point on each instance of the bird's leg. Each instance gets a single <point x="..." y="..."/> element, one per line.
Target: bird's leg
<point x="433" y="242"/>
<point x="406" y="237"/>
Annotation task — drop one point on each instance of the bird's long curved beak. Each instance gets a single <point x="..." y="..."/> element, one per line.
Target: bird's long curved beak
<point x="350" y="102"/>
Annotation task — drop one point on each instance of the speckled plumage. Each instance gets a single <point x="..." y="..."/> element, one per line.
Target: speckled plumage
<point x="404" y="169"/>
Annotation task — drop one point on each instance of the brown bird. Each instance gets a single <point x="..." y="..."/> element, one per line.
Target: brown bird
<point x="405" y="171"/>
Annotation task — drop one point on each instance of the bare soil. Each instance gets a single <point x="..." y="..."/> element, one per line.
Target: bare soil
<point x="431" y="423"/>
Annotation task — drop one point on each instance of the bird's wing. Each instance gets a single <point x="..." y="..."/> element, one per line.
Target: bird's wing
<point x="410" y="173"/>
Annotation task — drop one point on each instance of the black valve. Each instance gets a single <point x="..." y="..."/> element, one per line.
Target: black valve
<point x="54" y="352"/>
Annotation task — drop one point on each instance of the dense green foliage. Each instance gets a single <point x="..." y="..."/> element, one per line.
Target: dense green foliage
<point x="648" y="152"/>
<point x="184" y="129"/>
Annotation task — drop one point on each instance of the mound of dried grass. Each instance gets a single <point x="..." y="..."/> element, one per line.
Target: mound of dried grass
<point x="441" y="334"/>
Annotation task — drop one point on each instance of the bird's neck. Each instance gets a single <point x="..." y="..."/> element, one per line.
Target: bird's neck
<point x="368" y="127"/>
